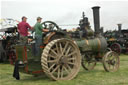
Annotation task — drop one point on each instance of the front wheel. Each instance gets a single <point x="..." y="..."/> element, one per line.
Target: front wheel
<point x="111" y="61"/>
<point x="88" y="62"/>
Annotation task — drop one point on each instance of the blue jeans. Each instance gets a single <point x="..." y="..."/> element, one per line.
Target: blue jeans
<point x="38" y="39"/>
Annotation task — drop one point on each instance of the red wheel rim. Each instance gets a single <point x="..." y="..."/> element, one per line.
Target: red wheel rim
<point x="116" y="48"/>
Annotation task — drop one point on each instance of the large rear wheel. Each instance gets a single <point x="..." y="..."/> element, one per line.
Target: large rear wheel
<point x="61" y="59"/>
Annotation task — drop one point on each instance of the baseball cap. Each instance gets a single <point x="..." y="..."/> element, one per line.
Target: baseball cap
<point x="39" y="18"/>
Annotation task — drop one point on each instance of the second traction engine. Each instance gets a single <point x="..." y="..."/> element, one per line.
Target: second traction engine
<point x="93" y="46"/>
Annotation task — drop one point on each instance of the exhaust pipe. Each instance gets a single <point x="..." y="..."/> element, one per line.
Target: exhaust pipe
<point x="96" y="19"/>
<point x="102" y="30"/>
<point x="119" y="28"/>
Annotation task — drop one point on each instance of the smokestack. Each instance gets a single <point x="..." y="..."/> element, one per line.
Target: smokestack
<point x="119" y="28"/>
<point x="102" y="30"/>
<point x="96" y="19"/>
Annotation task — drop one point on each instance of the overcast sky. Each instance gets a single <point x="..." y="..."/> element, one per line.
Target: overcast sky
<point x="67" y="11"/>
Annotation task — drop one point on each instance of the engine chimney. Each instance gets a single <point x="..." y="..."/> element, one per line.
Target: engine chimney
<point x="119" y="28"/>
<point x="96" y="19"/>
<point x="102" y="30"/>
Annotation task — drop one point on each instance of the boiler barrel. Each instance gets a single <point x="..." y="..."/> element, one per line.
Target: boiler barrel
<point x="95" y="45"/>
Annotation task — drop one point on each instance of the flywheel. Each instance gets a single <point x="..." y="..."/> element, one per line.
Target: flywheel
<point x="61" y="59"/>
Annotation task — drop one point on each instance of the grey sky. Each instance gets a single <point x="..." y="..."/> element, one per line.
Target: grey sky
<point x="67" y="11"/>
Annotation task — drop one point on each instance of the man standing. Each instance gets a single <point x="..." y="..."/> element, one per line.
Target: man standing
<point x="23" y="30"/>
<point x="38" y="37"/>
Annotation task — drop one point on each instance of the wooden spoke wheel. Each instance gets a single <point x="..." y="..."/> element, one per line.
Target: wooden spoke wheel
<point x="116" y="48"/>
<point x="111" y="61"/>
<point x="88" y="62"/>
<point x="61" y="59"/>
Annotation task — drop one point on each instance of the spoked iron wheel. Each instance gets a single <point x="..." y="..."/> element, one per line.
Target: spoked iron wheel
<point x="61" y="59"/>
<point x="111" y="61"/>
<point x="88" y="62"/>
<point x="116" y="48"/>
<point x="50" y="25"/>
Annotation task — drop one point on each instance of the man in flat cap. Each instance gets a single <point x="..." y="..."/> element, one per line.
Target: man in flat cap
<point x="38" y="37"/>
<point x="23" y="27"/>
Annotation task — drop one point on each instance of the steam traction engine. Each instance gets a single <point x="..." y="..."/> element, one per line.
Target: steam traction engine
<point x="118" y="40"/>
<point x="61" y="54"/>
<point x="93" y="46"/>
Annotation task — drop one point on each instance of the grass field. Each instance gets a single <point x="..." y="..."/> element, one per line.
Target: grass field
<point x="95" y="77"/>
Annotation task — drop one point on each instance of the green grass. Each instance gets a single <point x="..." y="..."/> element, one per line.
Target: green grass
<point x="95" y="77"/>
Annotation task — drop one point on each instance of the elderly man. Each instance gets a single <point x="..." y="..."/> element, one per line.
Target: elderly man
<point x="38" y="37"/>
<point x="23" y="30"/>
